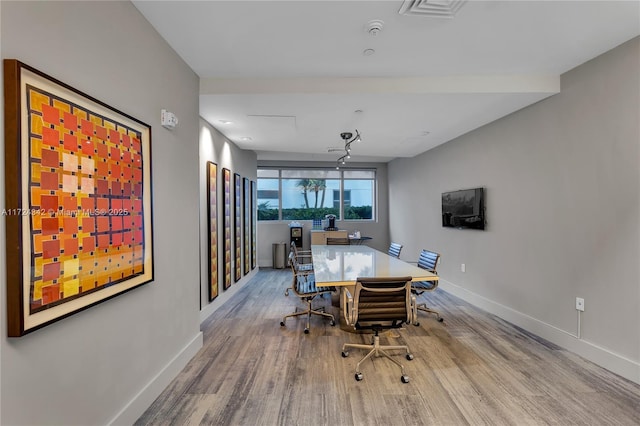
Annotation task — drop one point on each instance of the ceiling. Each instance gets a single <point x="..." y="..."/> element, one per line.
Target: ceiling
<point x="285" y="78"/>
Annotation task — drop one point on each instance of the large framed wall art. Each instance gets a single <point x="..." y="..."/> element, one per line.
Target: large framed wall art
<point x="246" y="222"/>
<point x="212" y="206"/>
<point x="254" y="227"/>
<point x="226" y="196"/>
<point x="78" y="200"/>
<point x="237" y="218"/>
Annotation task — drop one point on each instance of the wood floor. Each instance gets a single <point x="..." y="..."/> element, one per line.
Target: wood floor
<point x="472" y="369"/>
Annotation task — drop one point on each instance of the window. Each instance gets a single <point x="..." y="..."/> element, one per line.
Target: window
<point x="358" y="194"/>
<point x="268" y="195"/>
<point x="306" y="194"/>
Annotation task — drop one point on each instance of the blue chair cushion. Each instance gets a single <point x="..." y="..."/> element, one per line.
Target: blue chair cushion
<point x="306" y="284"/>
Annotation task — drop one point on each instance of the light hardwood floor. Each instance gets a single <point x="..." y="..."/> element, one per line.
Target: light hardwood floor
<point x="472" y="369"/>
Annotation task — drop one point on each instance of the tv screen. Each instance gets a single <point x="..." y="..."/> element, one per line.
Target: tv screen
<point x="463" y="209"/>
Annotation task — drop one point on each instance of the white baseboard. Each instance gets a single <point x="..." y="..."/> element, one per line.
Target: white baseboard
<point x="627" y="368"/>
<point x="138" y="405"/>
<point x="207" y="310"/>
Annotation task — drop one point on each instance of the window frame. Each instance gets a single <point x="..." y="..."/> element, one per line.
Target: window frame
<point x="341" y="178"/>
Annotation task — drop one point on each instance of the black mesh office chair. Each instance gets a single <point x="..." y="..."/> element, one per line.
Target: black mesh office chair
<point x="304" y="286"/>
<point x="379" y="304"/>
<point x="428" y="260"/>
<point x="394" y="249"/>
<point x="303" y="259"/>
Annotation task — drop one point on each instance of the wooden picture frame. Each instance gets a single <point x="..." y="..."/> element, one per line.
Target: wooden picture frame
<point x="237" y="226"/>
<point x="226" y="197"/>
<point x="246" y="223"/>
<point x="212" y="227"/>
<point x="254" y="225"/>
<point x="78" y="200"/>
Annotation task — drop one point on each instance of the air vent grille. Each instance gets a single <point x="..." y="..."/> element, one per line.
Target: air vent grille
<point x="431" y="8"/>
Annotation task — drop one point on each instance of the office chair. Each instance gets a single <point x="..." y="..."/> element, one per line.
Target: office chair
<point x="378" y="304"/>
<point x="302" y="257"/>
<point x="338" y="241"/>
<point x="304" y="286"/>
<point x="394" y="250"/>
<point x="428" y="260"/>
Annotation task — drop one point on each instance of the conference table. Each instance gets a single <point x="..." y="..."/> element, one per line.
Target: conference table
<point x="341" y="265"/>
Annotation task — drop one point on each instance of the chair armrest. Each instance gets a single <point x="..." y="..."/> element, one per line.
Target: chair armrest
<point x="347" y="304"/>
<point x="414" y="309"/>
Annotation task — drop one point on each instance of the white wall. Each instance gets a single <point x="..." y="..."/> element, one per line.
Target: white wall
<point x="270" y="232"/>
<point x="563" y="185"/>
<point x="218" y="149"/>
<point x="109" y="362"/>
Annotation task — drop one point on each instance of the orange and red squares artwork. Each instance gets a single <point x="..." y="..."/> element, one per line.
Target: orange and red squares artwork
<point x="86" y="200"/>
<point x="78" y="200"/>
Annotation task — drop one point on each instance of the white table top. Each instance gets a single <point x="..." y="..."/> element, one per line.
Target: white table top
<point x="341" y="265"/>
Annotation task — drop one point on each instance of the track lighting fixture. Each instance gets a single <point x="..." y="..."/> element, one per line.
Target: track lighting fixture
<point x="348" y="139"/>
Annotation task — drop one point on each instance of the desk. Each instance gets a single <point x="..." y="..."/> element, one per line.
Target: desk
<point x="356" y="241"/>
<point x="342" y="265"/>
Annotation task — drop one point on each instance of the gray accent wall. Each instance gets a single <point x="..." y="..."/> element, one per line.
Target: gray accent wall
<point x="107" y="363"/>
<point x="218" y="149"/>
<point x="562" y="188"/>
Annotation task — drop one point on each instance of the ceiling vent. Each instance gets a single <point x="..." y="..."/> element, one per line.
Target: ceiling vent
<point x="431" y="8"/>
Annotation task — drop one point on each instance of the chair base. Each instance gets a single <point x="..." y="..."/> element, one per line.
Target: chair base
<point x="423" y="307"/>
<point x="308" y="312"/>
<point x="377" y="350"/>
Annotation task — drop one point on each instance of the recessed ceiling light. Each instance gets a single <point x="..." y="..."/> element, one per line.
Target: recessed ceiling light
<point x="368" y="52"/>
<point x="225" y="121"/>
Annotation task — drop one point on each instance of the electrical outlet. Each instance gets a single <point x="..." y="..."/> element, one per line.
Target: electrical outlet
<point x="463" y="268"/>
<point x="580" y="304"/>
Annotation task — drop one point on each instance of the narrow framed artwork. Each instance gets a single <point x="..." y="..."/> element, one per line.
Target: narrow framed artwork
<point x="78" y="200"/>
<point x="254" y="227"/>
<point x="212" y="225"/>
<point x="237" y="224"/>
<point x="226" y="197"/>
<point x="246" y="222"/>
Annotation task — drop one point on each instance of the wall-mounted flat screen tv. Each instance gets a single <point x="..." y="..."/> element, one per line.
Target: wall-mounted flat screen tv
<point x="463" y="209"/>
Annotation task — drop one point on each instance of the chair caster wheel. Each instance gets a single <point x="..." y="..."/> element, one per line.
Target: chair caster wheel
<point x="332" y="323"/>
<point x="409" y="357"/>
<point x="440" y="319"/>
<point x="359" y="376"/>
<point x="404" y="379"/>
<point x="281" y="323"/>
<point x="306" y="331"/>
<point x="417" y="324"/>
<point x="345" y="354"/>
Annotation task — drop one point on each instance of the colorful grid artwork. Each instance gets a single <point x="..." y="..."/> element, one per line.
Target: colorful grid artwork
<point x="254" y="227"/>
<point x="246" y="222"/>
<point x="85" y="197"/>
<point x="237" y="222"/>
<point x="226" y="195"/>
<point x="212" y="204"/>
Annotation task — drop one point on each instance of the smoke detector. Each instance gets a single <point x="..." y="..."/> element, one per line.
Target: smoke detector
<point x="374" y="27"/>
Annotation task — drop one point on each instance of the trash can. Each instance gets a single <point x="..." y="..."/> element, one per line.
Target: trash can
<point x="279" y="255"/>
